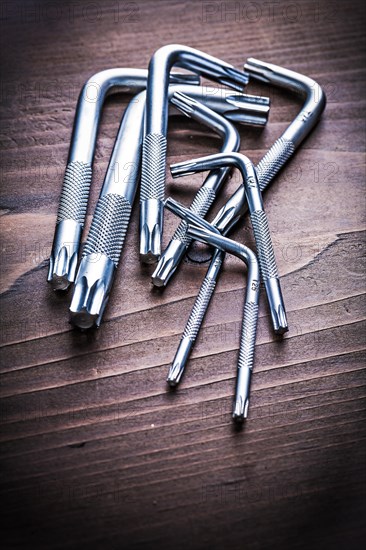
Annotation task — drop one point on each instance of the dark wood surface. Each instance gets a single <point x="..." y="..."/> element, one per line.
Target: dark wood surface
<point x="96" y="451"/>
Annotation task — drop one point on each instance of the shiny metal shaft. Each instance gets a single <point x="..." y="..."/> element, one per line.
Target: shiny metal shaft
<point x="155" y="144"/>
<point x="204" y="232"/>
<point x="285" y="146"/>
<point x="207" y="193"/>
<point x="259" y="221"/>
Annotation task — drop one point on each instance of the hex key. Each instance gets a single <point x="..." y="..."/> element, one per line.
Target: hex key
<point x="76" y="185"/>
<point x="206" y="195"/>
<point x="267" y="261"/>
<point x="204" y="232"/>
<point x="285" y="146"/>
<point x="155" y="143"/>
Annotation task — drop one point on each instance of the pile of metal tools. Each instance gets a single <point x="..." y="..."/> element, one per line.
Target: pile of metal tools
<point x="139" y="156"/>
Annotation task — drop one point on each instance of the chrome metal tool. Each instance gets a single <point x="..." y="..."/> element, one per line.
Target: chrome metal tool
<point x="267" y="261"/>
<point x="155" y="143"/>
<point x="204" y="232"/>
<point x="285" y="146"/>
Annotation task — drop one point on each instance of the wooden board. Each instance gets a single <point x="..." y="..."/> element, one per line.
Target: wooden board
<point x="96" y="451"/>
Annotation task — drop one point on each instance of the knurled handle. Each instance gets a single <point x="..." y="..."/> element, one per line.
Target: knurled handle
<point x="273" y="161"/>
<point x="201" y="204"/>
<point x="266" y="257"/>
<point x="75" y="192"/>
<point x="199" y="309"/>
<point x="248" y="334"/>
<point x="153" y="167"/>
<point x="109" y="227"/>
<point x="246" y="360"/>
<point x="194" y="322"/>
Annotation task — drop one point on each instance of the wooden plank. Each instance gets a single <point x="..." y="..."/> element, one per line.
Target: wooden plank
<point x="96" y="451"/>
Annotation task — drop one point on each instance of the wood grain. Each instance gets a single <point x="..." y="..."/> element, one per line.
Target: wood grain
<point x="96" y="451"/>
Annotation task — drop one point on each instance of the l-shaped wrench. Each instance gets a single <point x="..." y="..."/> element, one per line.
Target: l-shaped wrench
<point x="155" y="144"/>
<point x="204" y="232"/>
<point x="259" y="221"/>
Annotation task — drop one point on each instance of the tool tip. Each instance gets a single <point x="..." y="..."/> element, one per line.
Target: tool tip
<point x="183" y="78"/>
<point x="149" y="257"/>
<point x="91" y="292"/>
<point x="62" y="268"/>
<point x="179" y="362"/>
<point x="175" y="374"/>
<point x="151" y="229"/>
<point x="258" y="69"/>
<point x="59" y="282"/>
<point x="184" y="103"/>
<point x="240" y="412"/>
<point x="64" y="255"/>
<point x="234" y="78"/>
<point x="279" y="319"/>
<point x="168" y="263"/>
<point x="172" y="383"/>
<point x="83" y="319"/>
<point x="276" y="305"/>
<point x="248" y="109"/>
<point x="156" y="280"/>
<point x="150" y="244"/>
